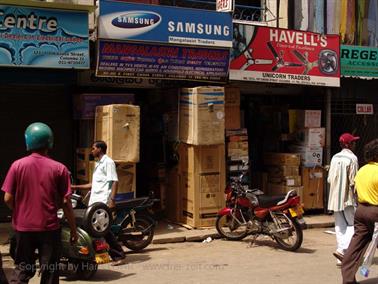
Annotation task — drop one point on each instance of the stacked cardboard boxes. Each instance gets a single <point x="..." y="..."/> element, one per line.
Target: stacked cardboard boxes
<point x="283" y="173"/>
<point x="201" y="170"/>
<point x="119" y="126"/>
<point x="309" y="143"/>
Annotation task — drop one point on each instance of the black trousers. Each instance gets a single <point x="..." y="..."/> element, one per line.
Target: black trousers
<point x="364" y="221"/>
<point x="116" y="252"/>
<point x="3" y="278"/>
<point x="48" y="244"/>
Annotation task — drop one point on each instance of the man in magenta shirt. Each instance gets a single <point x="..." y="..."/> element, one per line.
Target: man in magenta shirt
<point x="35" y="188"/>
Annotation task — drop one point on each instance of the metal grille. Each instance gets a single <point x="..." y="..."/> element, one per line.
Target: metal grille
<point x="244" y="10"/>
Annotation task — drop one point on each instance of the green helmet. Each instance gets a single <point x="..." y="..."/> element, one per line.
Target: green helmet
<point x="38" y="136"/>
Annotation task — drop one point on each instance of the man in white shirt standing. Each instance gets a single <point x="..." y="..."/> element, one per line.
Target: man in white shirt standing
<point x="104" y="189"/>
<point x="342" y="201"/>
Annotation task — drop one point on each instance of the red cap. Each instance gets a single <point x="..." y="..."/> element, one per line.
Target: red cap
<point x="347" y="138"/>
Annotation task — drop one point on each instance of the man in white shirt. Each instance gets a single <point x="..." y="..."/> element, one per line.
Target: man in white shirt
<point x="342" y="201"/>
<point x="104" y="189"/>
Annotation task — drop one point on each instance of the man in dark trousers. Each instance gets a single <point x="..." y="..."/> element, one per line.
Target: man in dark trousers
<point x="104" y="189"/>
<point x="35" y="188"/>
<point x="366" y="183"/>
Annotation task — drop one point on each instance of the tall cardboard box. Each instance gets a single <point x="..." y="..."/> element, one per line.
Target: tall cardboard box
<point x="201" y="119"/>
<point x="126" y="180"/>
<point x="119" y="126"/>
<point x="203" y="180"/>
<point x="312" y="137"/>
<point x="308" y="118"/>
<point x="232" y="108"/>
<point x="310" y="156"/>
<point x="313" y="184"/>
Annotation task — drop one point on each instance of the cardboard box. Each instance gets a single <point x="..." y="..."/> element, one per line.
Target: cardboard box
<point x="281" y="171"/>
<point x="310" y="156"/>
<point x="313" y="187"/>
<point x="232" y="96"/>
<point x="202" y="116"/>
<point x="277" y="189"/>
<point x="119" y="126"/>
<point x="282" y="159"/>
<point x="126" y="179"/>
<point x="292" y="120"/>
<point x="202" y="170"/>
<point x="83" y="157"/>
<point x="232" y="117"/>
<point x="237" y="149"/>
<point x="311" y="137"/>
<point x="308" y="118"/>
<point x="287" y="180"/>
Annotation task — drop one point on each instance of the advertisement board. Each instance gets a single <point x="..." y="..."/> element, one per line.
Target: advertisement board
<point x="276" y="55"/>
<point x="142" y="60"/>
<point x="164" y="24"/>
<point x="35" y="37"/>
<point x="359" y="61"/>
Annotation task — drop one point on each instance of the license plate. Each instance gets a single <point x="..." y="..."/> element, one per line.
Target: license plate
<point x="102" y="258"/>
<point x="297" y="211"/>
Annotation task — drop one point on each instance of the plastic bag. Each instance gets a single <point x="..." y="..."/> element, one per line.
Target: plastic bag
<point x="369" y="254"/>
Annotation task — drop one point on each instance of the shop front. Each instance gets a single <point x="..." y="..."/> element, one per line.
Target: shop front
<point x="285" y="78"/>
<point x="42" y="47"/>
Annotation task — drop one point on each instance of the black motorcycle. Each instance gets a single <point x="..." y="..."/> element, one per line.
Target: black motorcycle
<point x="134" y="225"/>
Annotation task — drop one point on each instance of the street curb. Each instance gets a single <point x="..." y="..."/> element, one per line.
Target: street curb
<point x="204" y="236"/>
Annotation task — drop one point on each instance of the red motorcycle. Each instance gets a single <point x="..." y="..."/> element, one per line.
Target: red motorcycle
<point x="250" y="212"/>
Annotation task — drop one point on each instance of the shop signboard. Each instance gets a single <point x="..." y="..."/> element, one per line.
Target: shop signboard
<point x="143" y="60"/>
<point x="164" y="24"/>
<point x="359" y="61"/>
<point x="364" y="109"/>
<point x="265" y="54"/>
<point x="36" y="37"/>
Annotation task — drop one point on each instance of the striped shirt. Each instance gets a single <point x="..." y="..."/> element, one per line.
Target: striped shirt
<point x="344" y="166"/>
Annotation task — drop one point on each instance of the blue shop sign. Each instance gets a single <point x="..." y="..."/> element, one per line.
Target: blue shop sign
<point x="165" y="24"/>
<point x="34" y="37"/>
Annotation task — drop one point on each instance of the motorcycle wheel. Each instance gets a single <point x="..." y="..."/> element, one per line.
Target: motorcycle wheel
<point x="294" y="239"/>
<point x="138" y="242"/>
<point x="228" y="228"/>
<point x="86" y="270"/>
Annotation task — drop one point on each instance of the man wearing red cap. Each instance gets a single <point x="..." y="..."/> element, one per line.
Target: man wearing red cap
<point x="342" y="201"/>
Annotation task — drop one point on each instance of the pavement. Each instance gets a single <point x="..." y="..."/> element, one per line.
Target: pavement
<point x="169" y="232"/>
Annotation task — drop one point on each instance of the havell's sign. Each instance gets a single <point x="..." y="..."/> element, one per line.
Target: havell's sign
<point x="276" y="55"/>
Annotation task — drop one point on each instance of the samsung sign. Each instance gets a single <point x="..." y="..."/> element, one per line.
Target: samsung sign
<point x="128" y="21"/>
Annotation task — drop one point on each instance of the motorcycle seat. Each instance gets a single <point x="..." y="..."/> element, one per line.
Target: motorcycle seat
<point x="266" y="201"/>
<point x="132" y="203"/>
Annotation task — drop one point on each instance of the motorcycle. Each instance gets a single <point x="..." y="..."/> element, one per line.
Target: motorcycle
<point x="134" y="225"/>
<point x="90" y="250"/>
<point x="250" y="212"/>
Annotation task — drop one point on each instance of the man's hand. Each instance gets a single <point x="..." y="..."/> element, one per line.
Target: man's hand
<point x="111" y="203"/>
<point x="73" y="237"/>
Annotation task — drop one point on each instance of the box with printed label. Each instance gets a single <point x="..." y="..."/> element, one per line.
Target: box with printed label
<point x="119" y="126"/>
<point x="201" y="119"/>
<point x="282" y="159"/>
<point x="202" y="171"/>
<point x="311" y="137"/>
<point x="310" y="156"/>
<point x="308" y="118"/>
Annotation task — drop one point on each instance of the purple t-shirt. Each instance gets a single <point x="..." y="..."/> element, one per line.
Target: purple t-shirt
<point x="38" y="184"/>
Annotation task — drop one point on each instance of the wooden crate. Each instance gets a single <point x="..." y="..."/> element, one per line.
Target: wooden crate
<point x="313" y="187"/>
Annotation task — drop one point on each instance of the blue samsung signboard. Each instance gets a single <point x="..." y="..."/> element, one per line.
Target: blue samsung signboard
<point x="34" y="37"/>
<point x="164" y="24"/>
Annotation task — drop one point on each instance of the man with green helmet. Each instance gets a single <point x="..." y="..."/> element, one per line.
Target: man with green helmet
<point x="35" y="188"/>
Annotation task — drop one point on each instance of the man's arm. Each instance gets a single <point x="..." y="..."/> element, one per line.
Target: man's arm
<point x="68" y="212"/>
<point x="9" y="200"/>
<point x="113" y="194"/>
<point x="86" y="186"/>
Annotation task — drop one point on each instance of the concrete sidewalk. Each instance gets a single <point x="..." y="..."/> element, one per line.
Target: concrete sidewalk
<point x="167" y="232"/>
